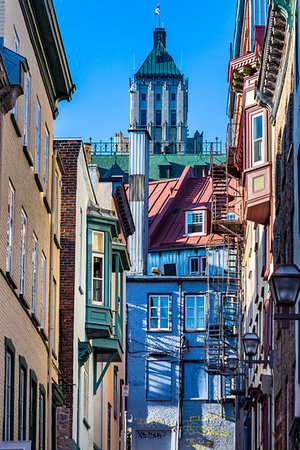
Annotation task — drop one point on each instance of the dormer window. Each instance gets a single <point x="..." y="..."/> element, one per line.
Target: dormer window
<point x="194" y="222"/>
<point x="257" y="139"/>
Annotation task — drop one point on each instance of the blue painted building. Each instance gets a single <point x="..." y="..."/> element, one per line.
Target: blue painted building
<point x="173" y="402"/>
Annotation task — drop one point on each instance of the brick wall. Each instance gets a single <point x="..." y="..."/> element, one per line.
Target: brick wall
<point x="69" y="151"/>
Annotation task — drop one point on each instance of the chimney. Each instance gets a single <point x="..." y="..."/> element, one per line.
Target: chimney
<point x="159" y="34"/>
<point x="139" y="199"/>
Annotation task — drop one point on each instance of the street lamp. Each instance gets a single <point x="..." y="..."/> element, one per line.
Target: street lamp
<point x="285" y="286"/>
<point x="250" y="343"/>
<point x="232" y="361"/>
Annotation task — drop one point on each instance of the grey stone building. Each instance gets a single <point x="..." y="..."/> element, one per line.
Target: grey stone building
<point x="159" y="102"/>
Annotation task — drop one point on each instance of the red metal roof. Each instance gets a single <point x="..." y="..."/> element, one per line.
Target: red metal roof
<point x="168" y="201"/>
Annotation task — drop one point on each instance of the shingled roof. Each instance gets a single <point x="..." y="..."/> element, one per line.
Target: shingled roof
<point x="159" y="63"/>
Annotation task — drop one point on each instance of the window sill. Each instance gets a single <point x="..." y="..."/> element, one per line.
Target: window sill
<point x="35" y="319"/>
<point x="38" y="182"/>
<point x="11" y="281"/>
<point x="16" y="126"/>
<point x="28" y="155"/>
<point x="86" y="424"/>
<point x="47" y="204"/>
<point x="24" y="301"/>
<point x="150" y="330"/>
<point x="56" y="240"/>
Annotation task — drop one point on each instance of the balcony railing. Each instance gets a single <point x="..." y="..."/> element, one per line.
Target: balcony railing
<point x="102" y="148"/>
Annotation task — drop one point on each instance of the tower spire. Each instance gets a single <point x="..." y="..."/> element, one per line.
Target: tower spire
<point x="157" y="12"/>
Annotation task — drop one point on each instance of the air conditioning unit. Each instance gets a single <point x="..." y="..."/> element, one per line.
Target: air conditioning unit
<point x="168" y="269"/>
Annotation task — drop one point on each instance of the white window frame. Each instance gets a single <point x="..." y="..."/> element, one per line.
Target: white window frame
<point x="34" y="273"/>
<point x="194" y="213"/>
<point x="195" y="311"/>
<point x="23" y="252"/>
<point x="26" y="108"/>
<point x="261" y="161"/>
<point x="97" y="254"/>
<point x="46" y="160"/>
<point x="37" y="137"/>
<point x="43" y="290"/>
<point x="159" y="328"/>
<point x="10" y="227"/>
<point x="203" y="272"/>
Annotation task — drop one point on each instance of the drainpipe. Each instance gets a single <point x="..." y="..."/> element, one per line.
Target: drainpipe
<point x="78" y="407"/>
<point x="50" y="309"/>
<point x="180" y="378"/>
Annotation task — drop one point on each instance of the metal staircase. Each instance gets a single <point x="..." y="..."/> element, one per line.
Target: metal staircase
<point x="222" y="325"/>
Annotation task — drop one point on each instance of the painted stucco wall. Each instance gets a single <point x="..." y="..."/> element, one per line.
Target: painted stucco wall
<point x="203" y="422"/>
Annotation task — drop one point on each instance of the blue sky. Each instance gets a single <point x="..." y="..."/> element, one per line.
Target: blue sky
<point x="103" y="40"/>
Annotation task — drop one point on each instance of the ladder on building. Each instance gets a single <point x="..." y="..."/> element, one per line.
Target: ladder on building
<point x="222" y="325"/>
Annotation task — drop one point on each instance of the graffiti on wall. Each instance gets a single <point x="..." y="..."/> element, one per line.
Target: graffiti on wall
<point x="199" y="432"/>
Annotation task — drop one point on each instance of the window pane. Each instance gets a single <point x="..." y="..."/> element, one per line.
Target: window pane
<point x="164" y="312"/>
<point x="164" y="301"/>
<point x="154" y="301"/>
<point x="257" y="127"/>
<point x="164" y="323"/>
<point x="257" y="150"/>
<point x="97" y="290"/>
<point x="154" y="323"/>
<point x="190" y="301"/>
<point x="194" y="265"/>
<point x="200" y="323"/>
<point x="190" y="324"/>
<point x="200" y="301"/>
<point x="97" y="242"/>
<point x="190" y="312"/>
<point x="97" y="267"/>
<point x="154" y="312"/>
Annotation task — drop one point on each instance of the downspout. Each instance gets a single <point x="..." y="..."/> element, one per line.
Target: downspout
<point x="78" y="407"/>
<point x="126" y="372"/>
<point x="50" y="309"/>
<point x="180" y="378"/>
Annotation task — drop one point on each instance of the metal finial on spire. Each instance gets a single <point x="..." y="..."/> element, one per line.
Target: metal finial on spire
<point x="157" y="12"/>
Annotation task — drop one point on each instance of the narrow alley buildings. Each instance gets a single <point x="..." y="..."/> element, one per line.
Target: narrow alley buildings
<point x="34" y="78"/>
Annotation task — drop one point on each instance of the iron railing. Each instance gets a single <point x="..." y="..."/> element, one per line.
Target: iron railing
<point x="102" y="148"/>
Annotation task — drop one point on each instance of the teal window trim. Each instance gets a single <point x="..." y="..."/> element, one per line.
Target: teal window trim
<point x="42" y="418"/>
<point x="9" y="348"/>
<point x="22" y="401"/>
<point x="33" y="407"/>
<point x="107" y="264"/>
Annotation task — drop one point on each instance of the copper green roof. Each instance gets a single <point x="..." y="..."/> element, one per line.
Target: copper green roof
<point x="159" y="64"/>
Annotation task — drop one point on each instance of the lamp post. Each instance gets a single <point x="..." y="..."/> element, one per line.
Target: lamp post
<point x="285" y="286"/>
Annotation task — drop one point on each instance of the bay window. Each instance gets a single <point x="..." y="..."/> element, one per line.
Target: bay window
<point x="257" y="139"/>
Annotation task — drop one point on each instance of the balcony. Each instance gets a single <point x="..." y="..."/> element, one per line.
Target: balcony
<point x="99" y="320"/>
<point x="258" y="193"/>
<point x="112" y="345"/>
